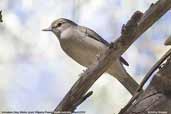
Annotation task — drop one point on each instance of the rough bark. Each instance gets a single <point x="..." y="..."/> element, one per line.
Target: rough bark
<point x="138" y="94"/>
<point x="156" y="99"/>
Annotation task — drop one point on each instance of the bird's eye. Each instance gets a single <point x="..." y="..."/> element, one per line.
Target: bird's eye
<point x="59" y="24"/>
<point x="56" y="25"/>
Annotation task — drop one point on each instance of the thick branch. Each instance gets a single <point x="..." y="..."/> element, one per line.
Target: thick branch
<point x="157" y="97"/>
<point x="130" y="33"/>
<point x="147" y="76"/>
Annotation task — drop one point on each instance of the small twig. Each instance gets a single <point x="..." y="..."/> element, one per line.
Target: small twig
<point x="147" y="76"/>
<point x="1" y="16"/>
<point x="82" y="100"/>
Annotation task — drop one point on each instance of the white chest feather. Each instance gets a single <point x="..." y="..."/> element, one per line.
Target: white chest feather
<point x="81" y="48"/>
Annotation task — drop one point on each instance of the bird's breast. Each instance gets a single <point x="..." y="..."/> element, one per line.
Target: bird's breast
<point x="82" y="49"/>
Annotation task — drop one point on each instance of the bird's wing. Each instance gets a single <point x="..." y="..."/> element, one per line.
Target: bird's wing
<point x="93" y="35"/>
<point x="97" y="37"/>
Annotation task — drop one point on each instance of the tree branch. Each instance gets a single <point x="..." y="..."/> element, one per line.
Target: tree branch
<point x="1" y="16"/>
<point x="157" y="97"/>
<point x="147" y="76"/>
<point x="130" y="32"/>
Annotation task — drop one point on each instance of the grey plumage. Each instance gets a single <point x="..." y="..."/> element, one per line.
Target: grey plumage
<point x="92" y="34"/>
<point x="83" y="45"/>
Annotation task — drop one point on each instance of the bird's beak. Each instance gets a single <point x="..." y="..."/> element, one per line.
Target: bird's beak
<point x="47" y="29"/>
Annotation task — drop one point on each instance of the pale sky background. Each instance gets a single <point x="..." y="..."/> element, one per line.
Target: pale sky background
<point x="36" y="73"/>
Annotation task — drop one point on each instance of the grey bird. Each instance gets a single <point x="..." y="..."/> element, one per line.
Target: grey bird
<point x="84" y="45"/>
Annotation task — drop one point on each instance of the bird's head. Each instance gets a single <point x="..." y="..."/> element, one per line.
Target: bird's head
<point x="60" y="25"/>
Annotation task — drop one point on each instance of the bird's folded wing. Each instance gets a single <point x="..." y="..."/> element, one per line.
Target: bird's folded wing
<point x="93" y="35"/>
<point x="97" y="37"/>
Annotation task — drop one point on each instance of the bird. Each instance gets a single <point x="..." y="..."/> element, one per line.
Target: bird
<point x="83" y="45"/>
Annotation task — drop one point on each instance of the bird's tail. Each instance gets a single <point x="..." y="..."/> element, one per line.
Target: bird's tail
<point x="118" y="71"/>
